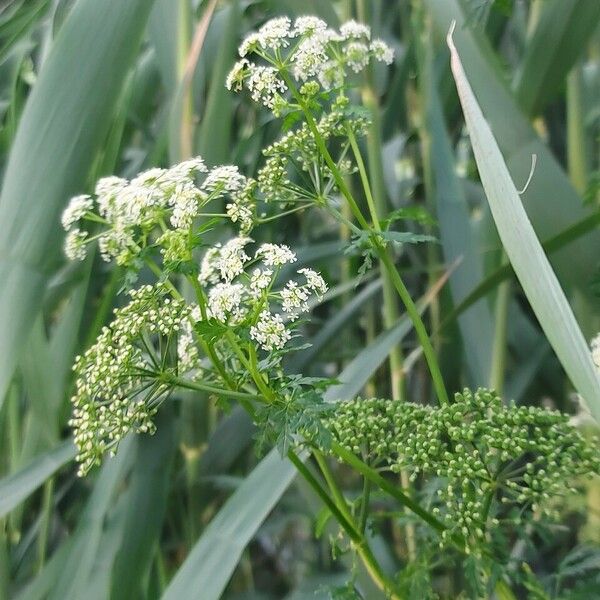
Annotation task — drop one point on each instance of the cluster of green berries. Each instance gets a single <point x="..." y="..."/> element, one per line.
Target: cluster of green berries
<point x="488" y="456"/>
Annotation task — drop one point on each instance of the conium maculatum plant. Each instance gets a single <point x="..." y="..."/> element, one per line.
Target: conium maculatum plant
<point x="220" y="318"/>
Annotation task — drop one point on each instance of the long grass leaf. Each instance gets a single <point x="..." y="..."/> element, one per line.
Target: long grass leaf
<point x="525" y="251"/>
<point x="560" y="37"/>
<point x="551" y="202"/>
<point x="62" y="127"/>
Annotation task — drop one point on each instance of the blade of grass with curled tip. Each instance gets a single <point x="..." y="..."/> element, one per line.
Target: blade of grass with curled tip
<point x="551" y="202"/>
<point x="62" y="127"/>
<point x="524" y="250"/>
<point x="213" y="559"/>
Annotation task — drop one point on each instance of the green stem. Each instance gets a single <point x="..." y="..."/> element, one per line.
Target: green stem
<point x="250" y="365"/>
<point x="379" y="248"/>
<point x="333" y="486"/>
<point x="360" y="542"/>
<point x="419" y="326"/>
<point x="349" y="528"/>
<point x="211" y="389"/>
<point x="364" y="506"/>
<point x="364" y="178"/>
<point x="387" y="487"/>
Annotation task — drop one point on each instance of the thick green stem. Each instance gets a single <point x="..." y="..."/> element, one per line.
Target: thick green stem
<point x="211" y="389"/>
<point x="360" y="542"/>
<point x="419" y="326"/>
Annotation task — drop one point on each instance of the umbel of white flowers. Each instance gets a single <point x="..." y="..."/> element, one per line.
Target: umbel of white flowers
<point x="122" y="379"/>
<point x="168" y="201"/>
<point x="307" y="51"/>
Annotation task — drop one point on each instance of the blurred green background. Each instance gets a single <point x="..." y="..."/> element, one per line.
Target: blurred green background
<point x="94" y="87"/>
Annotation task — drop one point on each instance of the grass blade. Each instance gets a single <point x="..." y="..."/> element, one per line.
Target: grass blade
<point x="525" y="251"/>
<point x="15" y="488"/>
<point x="560" y="37"/>
<point x="552" y="203"/>
<point x="61" y="130"/>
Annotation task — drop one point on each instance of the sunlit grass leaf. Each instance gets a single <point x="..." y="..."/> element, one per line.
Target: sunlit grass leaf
<point x="525" y="251"/>
<point x="551" y="202"/>
<point x="61" y="129"/>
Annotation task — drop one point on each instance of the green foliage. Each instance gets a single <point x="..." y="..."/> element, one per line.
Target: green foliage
<point x="380" y="193"/>
<point x="499" y="464"/>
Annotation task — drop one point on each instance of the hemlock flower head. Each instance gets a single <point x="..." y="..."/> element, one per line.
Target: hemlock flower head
<point x="309" y="51"/>
<point x="75" y="244"/>
<point x="132" y="215"/>
<point x="274" y="33"/>
<point x="357" y="56"/>
<point x="353" y="30"/>
<point x="276" y="254"/>
<point x="308" y="25"/>
<point x="76" y="209"/>
<point x="294" y="299"/>
<point x="235" y="78"/>
<point x="236" y="295"/>
<point x="265" y="85"/>
<point x="382" y="52"/>
<point x="222" y="179"/>
<point x="314" y="280"/>
<point x="224" y="300"/>
<point x="232" y="258"/>
<point x="260" y="280"/>
<point x="270" y="332"/>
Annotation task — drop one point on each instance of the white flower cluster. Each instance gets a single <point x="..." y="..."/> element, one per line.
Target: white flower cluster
<point x="240" y="296"/>
<point x="131" y="214"/>
<point x="115" y="392"/>
<point x="307" y="50"/>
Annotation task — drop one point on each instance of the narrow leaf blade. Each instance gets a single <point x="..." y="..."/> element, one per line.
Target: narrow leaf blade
<point x="524" y="249"/>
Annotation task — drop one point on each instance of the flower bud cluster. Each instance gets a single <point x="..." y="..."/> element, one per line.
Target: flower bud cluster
<point x="483" y="451"/>
<point x="116" y="388"/>
<point x="297" y="151"/>
<point x="242" y="290"/>
<point x="307" y="51"/>
<point x="159" y="206"/>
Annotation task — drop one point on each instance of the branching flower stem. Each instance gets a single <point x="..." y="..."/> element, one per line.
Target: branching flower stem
<point x="378" y="246"/>
<point x="336" y="501"/>
<point x="347" y="523"/>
